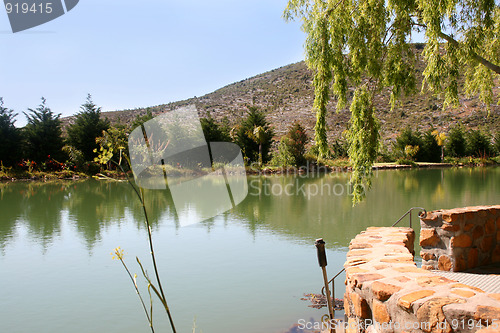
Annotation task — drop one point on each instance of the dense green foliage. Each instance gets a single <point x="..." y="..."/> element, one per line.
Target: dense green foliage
<point x="297" y="140"/>
<point x="455" y="145"/>
<point x="367" y="43"/>
<point x="141" y="119"/>
<point x="87" y="126"/>
<point x="42" y="134"/>
<point x="250" y="143"/>
<point x="214" y="131"/>
<point x="430" y="150"/>
<point x="10" y="139"/>
<point x="478" y="144"/>
<point x="283" y="157"/>
<point x="363" y="139"/>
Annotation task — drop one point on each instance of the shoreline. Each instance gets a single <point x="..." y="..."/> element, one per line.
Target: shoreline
<point x="41" y="176"/>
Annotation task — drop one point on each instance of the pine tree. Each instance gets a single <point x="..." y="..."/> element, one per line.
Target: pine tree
<point x="87" y="127"/>
<point x="43" y="134"/>
<point x="9" y="134"/>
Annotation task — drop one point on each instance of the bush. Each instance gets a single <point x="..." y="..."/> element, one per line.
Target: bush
<point x="430" y="149"/>
<point x="296" y="141"/>
<point x="340" y="148"/>
<point x="497" y="143"/>
<point x="478" y="144"/>
<point x="455" y="145"/>
<point x="408" y="138"/>
<point x="284" y="156"/>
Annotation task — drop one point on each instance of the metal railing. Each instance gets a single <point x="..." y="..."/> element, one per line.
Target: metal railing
<point x="422" y="213"/>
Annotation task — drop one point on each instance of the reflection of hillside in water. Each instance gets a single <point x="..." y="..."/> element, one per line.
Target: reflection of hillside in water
<point x="302" y="208"/>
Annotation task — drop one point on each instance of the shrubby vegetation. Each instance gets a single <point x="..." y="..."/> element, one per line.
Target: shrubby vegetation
<point x="91" y="142"/>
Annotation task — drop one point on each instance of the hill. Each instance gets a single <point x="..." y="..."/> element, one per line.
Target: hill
<point x="286" y="95"/>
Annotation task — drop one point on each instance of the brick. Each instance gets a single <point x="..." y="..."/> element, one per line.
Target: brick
<point x="380" y="267"/>
<point x="355" y="253"/>
<point x="478" y="232"/>
<point x="486" y="244"/>
<point x="461" y="285"/>
<point x="427" y="255"/>
<point x="402" y="279"/>
<point x="489" y="227"/>
<point x="407" y="300"/>
<point x="352" y="326"/>
<point x="463" y="293"/>
<point x="354" y="270"/>
<point x="488" y="330"/>
<point x="445" y="263"/>
<point x="486" y="314"/>
<point x="432" y="281"/>
<point x="347" y="306"/>
<point x="496" y="254"/>
<point x="380" y="313"/>
<point x="428" y="237"/>
<point x="383" y="291"/>
<point x="431" y="312"/>
<point x="450" y="227"/>
<point x="396" y="260"/>
<point x="473" y="258"/>
<point x="468" y="227"/>
<point x="462" y="240"/>
<point x="361" y="308"/>
<point x="410" y="269"/>
<point x="359" y="246"/>
<point x="452" y="218"/>
<point x="460" y="264"/>
<point x="361" y="278"/>
<point x="430" y="217"/>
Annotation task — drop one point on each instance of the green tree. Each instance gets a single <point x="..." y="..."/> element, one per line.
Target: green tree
<point x="455" y="142"/>
<point x="409" y="138"/>
<point x="367" y="43"/>
<point x="497" y="142"/>
<point x="43" y="134"/>
<point x="245" y="135"/>
<point x="113" y="142"/>
<point x="283" y="157"/>
<point x="9" y="134"/>
<point x="297" y="140"/>
<point x="141" y="119"/>
<point x="431" y="150"/>
<point x="478" y="144"/>
<point x="87" y="127"/>
<point x="214" y="131"/>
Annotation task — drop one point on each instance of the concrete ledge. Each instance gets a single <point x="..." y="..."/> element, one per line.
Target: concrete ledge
<point x="387" y="292"/>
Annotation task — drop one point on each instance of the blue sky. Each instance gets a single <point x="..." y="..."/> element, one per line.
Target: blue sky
<point x="130" y="54"/>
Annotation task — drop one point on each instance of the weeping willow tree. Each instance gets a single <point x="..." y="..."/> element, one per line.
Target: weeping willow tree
<point x="367" y="44"/>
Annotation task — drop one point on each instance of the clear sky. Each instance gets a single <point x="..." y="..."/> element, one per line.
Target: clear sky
<point x="130" y="54"/>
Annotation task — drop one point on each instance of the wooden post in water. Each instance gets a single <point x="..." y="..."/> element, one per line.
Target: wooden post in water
<point x="320" y="246"/>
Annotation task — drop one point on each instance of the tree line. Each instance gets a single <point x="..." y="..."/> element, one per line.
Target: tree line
<point x="90" y="141"/>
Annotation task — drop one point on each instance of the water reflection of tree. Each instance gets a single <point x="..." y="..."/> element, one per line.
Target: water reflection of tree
<point x="93" y="205"/>
<point x="41" y="205"/>
<point x="10" y="211"/>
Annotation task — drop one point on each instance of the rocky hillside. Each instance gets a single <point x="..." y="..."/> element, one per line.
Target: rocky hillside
<point x="286" y="95"/>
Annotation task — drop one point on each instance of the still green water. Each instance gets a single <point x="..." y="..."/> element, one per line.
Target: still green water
<point x="244" y="271"/>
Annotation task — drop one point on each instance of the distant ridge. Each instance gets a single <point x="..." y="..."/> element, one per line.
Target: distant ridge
<point x="286" y="94"/>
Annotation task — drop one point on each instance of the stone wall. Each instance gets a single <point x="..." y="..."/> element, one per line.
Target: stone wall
<point x="387" y="292"/>
<point x="461" y="238"/>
